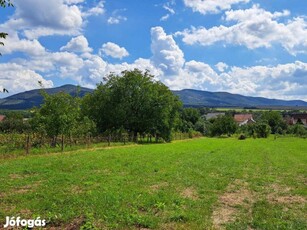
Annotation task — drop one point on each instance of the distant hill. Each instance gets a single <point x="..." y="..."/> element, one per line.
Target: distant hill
<point x="29" y="99"/>
<point x="223" y="99"/>
<point x="189" y="97"/>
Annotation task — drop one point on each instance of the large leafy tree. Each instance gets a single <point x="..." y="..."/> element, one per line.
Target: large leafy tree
<point x="133" y="101"/>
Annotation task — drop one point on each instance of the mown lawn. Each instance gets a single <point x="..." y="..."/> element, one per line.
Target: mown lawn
<point x="194" y="184"/>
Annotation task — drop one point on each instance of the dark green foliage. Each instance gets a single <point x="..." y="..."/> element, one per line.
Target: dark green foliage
<point x="57" y="115"/>
<point x="200" y="126"/>
<point x="242" y="137"/>
<point x="14" y="123"/>
<point x="190" y="119"/>
<point x="261" y="130"/>
<point x="191" y="115"/>
<point x="223" y="125"/>
<point x="135" y="102"/>
<point x="275" y="121"/>
<point x="298" y="130"/>
<point x="61" y="115"/>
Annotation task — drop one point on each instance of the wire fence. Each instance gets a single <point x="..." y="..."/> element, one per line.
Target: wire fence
<point x="26" y="143"/>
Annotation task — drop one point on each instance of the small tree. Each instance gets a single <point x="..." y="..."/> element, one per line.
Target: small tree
<point x="57" y="116"/>
<point x="262" y="130"/>
<point x="275" y="121"/>
<point x="223" y="125"/>
<point x="298" y="130"/>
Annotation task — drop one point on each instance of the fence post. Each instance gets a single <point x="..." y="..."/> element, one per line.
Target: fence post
<point x="28" y="143"/>
<point x="109" y="139"/>
<point x="62" y="144"/>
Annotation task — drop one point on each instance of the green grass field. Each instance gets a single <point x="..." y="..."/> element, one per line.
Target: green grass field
<point x="194" y="184"/>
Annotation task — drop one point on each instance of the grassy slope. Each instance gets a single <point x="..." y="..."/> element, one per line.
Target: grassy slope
<point x="179" y="185"/>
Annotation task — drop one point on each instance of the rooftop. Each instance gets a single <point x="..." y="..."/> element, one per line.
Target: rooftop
<point x="242" y="117"/>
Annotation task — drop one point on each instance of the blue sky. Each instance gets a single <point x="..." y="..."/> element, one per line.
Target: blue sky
<point x="249" y="47"/>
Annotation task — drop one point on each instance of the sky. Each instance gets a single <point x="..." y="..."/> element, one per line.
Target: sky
<point x="248" y="47"/>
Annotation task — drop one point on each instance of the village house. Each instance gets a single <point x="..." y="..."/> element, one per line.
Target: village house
<point x="244" y="119"/>
<point x="2" y="117"/>
<point x="297" y="118"/>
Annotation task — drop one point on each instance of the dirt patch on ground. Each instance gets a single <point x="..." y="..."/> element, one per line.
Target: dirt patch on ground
<point x="190" y="193"/>
<point x="75" y="189"/>
<point x="276" y="188"/>
<point x="286" y="199"/>
<point x="102" y="172"/>
<point x="23" y="189"/>
<point x="14" y="176"/>
<point x="156" y="187"/>
<point x="228" y="207"/>
<point x="280" y="194"/>
<point x="2" y="195"/>
<point x="27" y="188"/>
<point x="74" y="225"/>
<point x="24" y="213"/>
<point x="173" y="226"/>
<point x="303" y="179"/>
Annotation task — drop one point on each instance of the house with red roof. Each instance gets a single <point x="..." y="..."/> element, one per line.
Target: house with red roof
<point x="297" y="118"/>
<point x="244" y="119"/>
<point x="2" y="117"/>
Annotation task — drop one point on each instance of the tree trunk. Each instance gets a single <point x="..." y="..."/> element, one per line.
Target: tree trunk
<point x="53" y="141"/>
<point x="135" y="136"/>
<point x="70" y="140"/>
<point x="109" y="140"/>
<point x="62" y="143"/>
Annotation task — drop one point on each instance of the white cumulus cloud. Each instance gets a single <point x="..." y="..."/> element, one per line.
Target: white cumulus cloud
<point x="95" y="11"/>
<point x="78" y="44"/>
<point x="16" y="78"/>
<point x="167" y="55"/>
<point x="221" y="66"/>
<point x="211" y="6"/>
<point x="113" y="50"/>
<point x="253" y="28"/>
<point x="40" y="18"/>
<point x="37" y="18"/>
<point x="170" y="10"/>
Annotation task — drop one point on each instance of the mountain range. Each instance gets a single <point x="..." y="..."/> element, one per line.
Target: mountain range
<point x="189" y="97"/>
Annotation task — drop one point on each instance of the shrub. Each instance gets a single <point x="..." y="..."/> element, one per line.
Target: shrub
<point x="298" y="130"/>
<point x="223" y="125"/>
<point x="242" y="137"/>
<point x="262" y="130"/>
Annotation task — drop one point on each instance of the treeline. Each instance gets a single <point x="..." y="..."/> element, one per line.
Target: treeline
<point x="266" y="123"/>
<point x="130" y="107"/>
